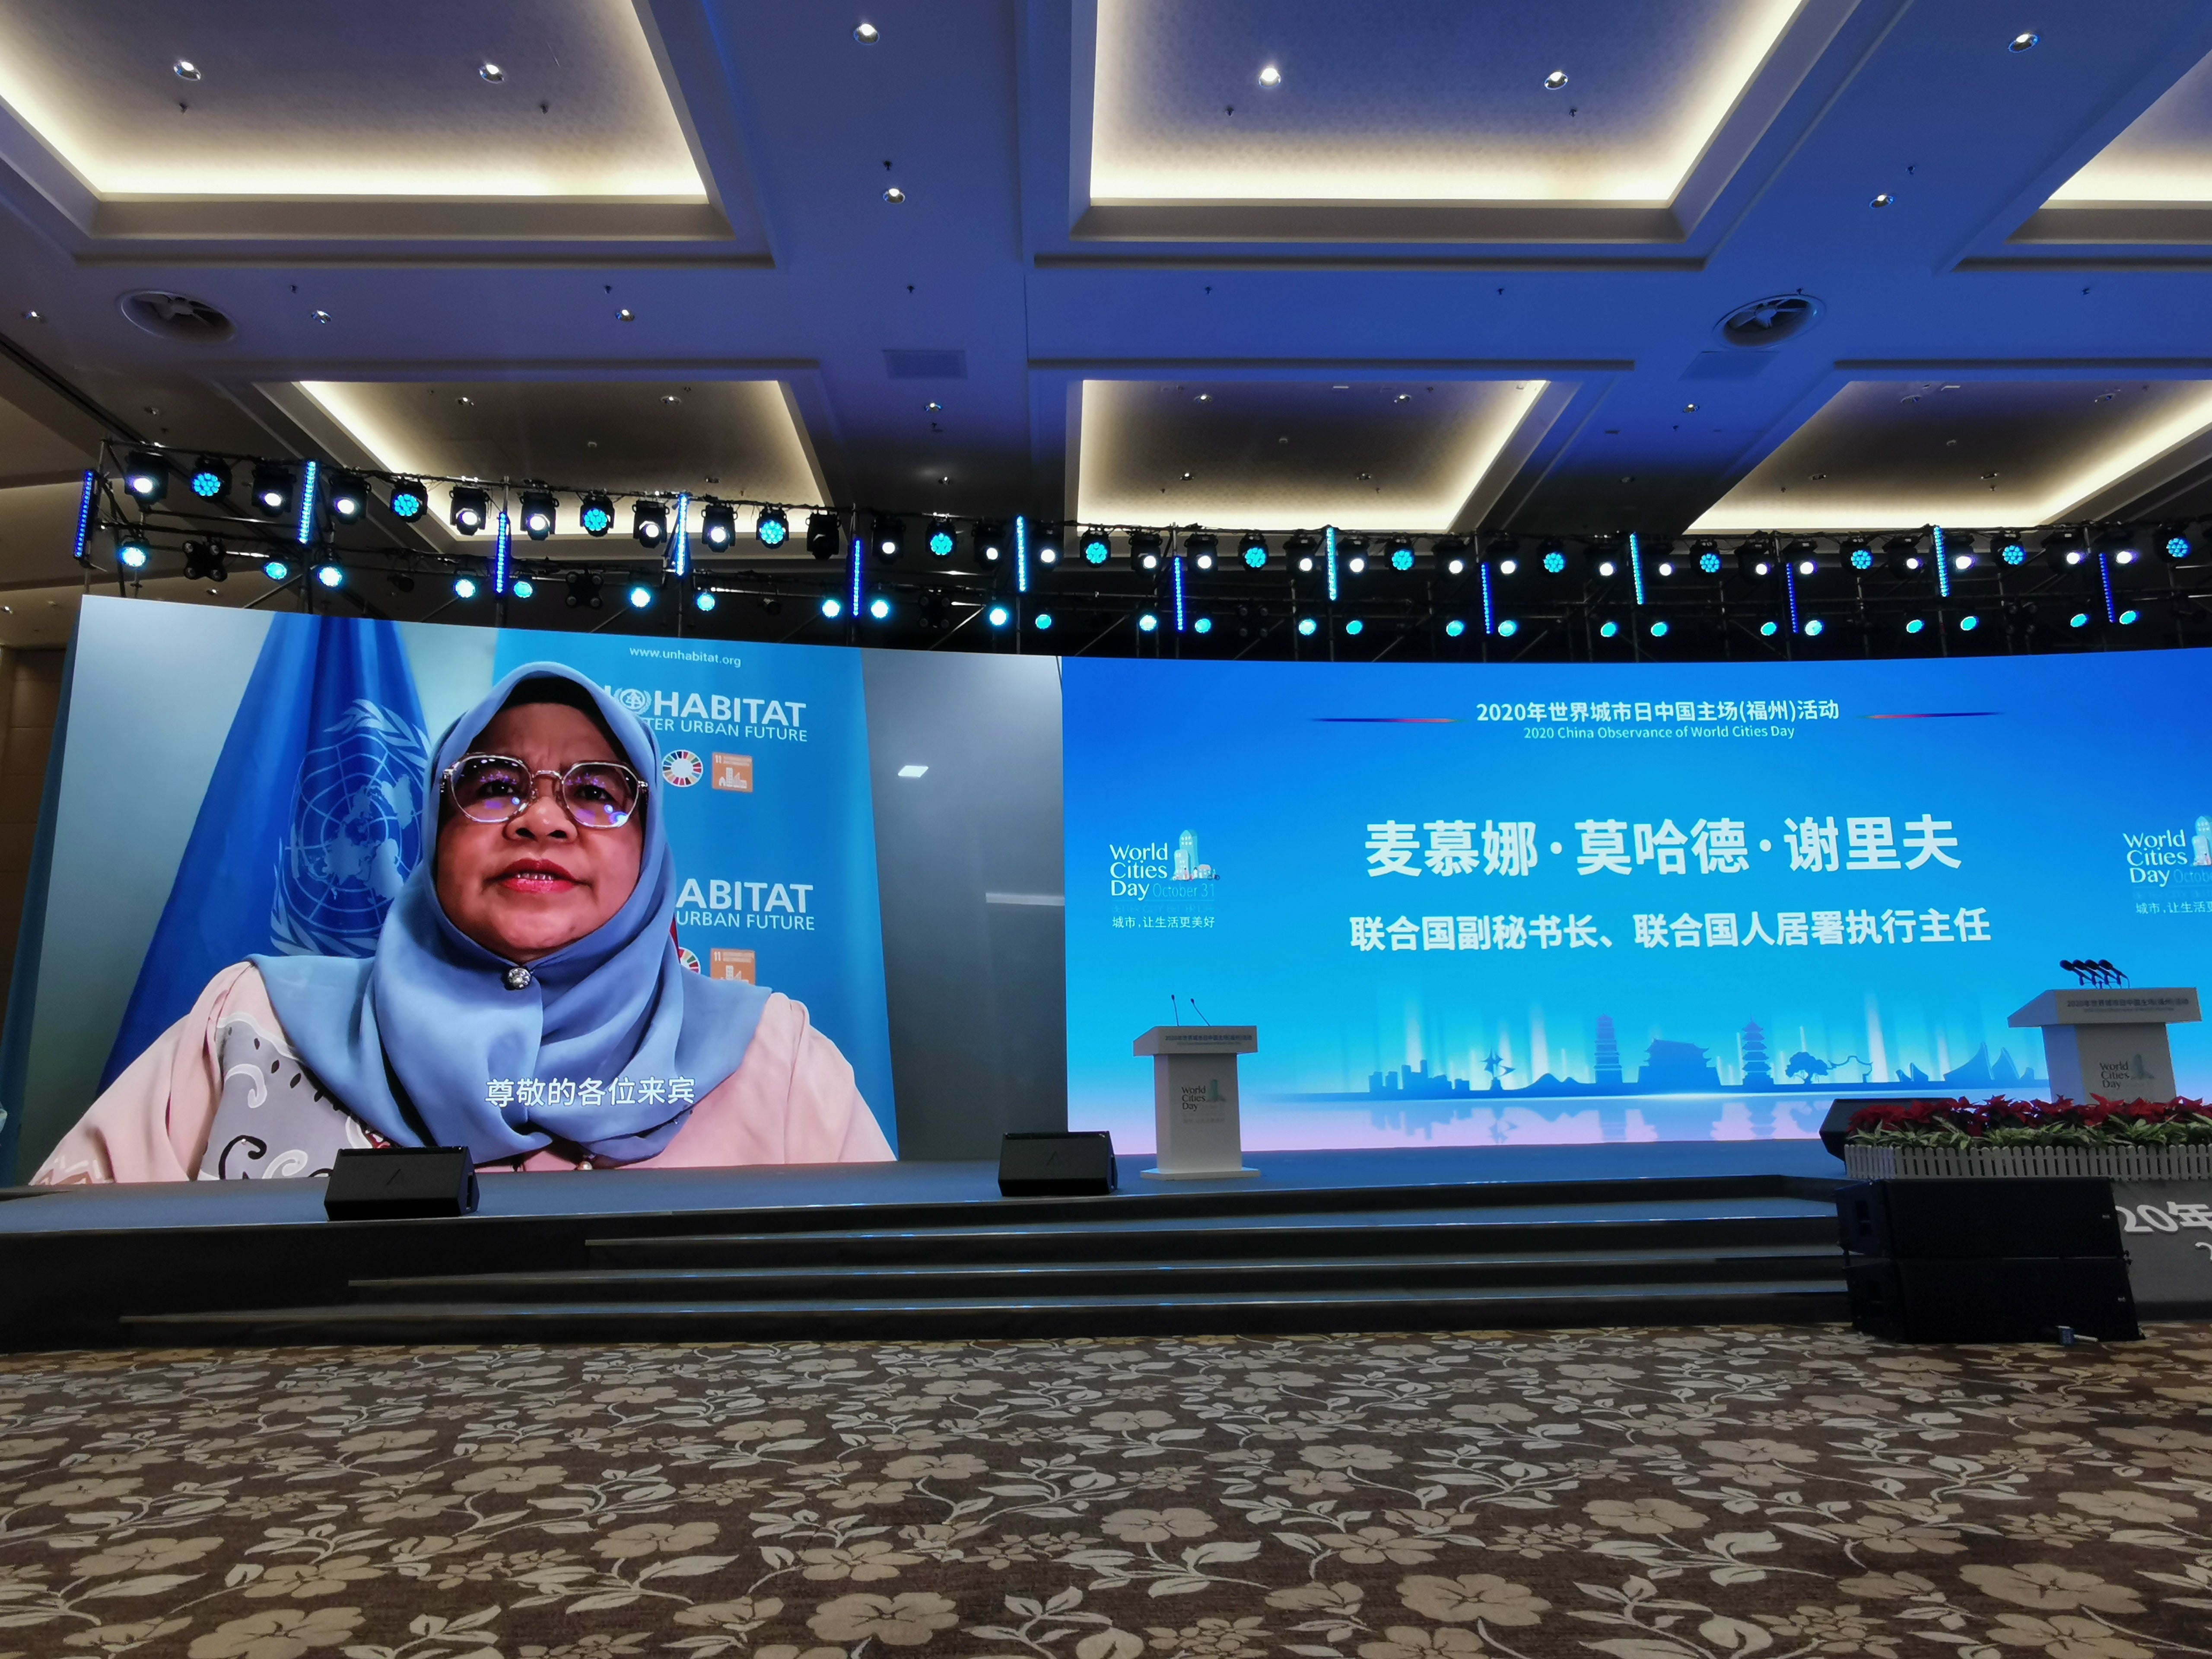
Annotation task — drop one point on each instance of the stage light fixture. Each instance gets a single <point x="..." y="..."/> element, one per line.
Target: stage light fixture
<point x="1603" y="559"/>
<point x="998" y="616"/>
<point x="595" y="513"/>
<point x="204" y="561"/>
<point x="1901" y="555"/>
<point x="464" y="586"/>
<point x="540" y="513"/>
<point x="410" y="499"/>
<point x="2008" y="548"/>
<point x="1607" y="628"/>
<point x="2079" y="619"/>
<point x="146" y="475"/>
<point x="1508" y="567"/>
<point x="1144" y="548"/>
<point x="349" y="497"/>
<point x="586" y="592"/>
<point x="210" y="478"/>
<point x="131" y="551"/>
<point x="2128" y="619"/>
<point x="832" y="607"/>
<point x="1147" y="622"/>
<point x="1454" y="629"/>
<point x="2062" y="549"/>
<point x="942" y="539"/>
<point x="1969" y="622"/>
<point x="1665" y="566"/>
<point x="1097" y="548"/>
<point x="1203" y="625"/>
<point x="1709" y="557"/>
<point x="1200" y="549"/>
<point x="1402" y="554"/>
<point x="1555" y="559"/>
<point x="648" y="523"/>
<point x="1803" y="557"/>
<point x="524" y="588"/>
<point x="718" y="526"/>
<point x="880" y="608"/>
<point x="1042" y="620"/>
<point x="1355" y="628"/>
<point x="1451" y="554"/>
<point x="641" y="597"/>
<point x="1858" y="554"/>
<point x="822" y="534"/>
<point x="1659" y="628"/>
<point x="1508" y="628"/>
<point x="468" y="509"/>
<point x="1048" y="544"/>
<point x="888" y="536"/>
<point x="1254" y="551"/>
<point x="272" y="490"/>
<point x="771" y="527"/>
<point x="1302" y="548"/>
<point x="276" y="570"/>
<point x="1755" y="558"/>
<point x="330" y="573"/>
<point x="704" y="599"/>
<point x="1814" y="627"/>
<point x="400" y="581"/>
<point x="1769" y="628"/>
<point x="1307" y="626"/>
<point x="1501" y="547"/>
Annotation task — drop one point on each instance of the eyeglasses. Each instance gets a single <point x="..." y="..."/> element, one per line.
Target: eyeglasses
<point x="494" y="789"/>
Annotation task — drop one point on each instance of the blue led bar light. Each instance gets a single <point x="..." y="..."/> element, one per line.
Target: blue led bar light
<point x="1175" y="578"/>
<point x="1331" y="533"/>
<point x="1790" y="587"/>
<point x="854" y="571"/>
<point x="84" y="511"/>
<point x="502" y="550"/>
<point x="307" y="474"/>
<point x="1943" y="564"/>
<point x="679" y="542"/>
<point x="1021" y="554"/>
<point x="1636" y="564"/>
<point x="2105" y="575"/>
<point x="1489" y="616"/>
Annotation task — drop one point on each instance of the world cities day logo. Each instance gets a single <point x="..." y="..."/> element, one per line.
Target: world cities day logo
<point x="1159" y="884"/>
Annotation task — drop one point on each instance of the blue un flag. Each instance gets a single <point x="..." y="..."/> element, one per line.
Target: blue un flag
<point x="310" y="823"/>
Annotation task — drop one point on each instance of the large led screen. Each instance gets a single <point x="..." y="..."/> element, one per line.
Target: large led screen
<point x="1635" y="902"/>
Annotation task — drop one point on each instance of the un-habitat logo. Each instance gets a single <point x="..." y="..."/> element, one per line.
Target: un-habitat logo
<point x="356" y="832"/>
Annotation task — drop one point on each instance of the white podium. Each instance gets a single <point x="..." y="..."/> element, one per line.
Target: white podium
<point x="1194" y="1100"/>
<point x="2109" y="1041"/>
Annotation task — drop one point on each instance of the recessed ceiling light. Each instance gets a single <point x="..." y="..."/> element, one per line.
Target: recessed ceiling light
<point x="894" y="196"/>
<point x="670" y="397"/>
<point x="491" y="72"/>
<point x="1271" y="76"/>
<point x="935" y="408"/>
<point x="1206" y="397"/>
<point x="464" y="402"/>
<point x="1555" y="80"/>
<point x="184" y="69"/>
<point x="625" y="315"/>
<point x="1689" y="409"/>
<point x="34" y="316"/>
<point x="322" y="316"/>
<point x="1883" y="200"/>
<point x="866" y="35"/>
<point x="1403" y="398"/>
<point x="2024" y="40"/>
<point x="1185" y="478"/>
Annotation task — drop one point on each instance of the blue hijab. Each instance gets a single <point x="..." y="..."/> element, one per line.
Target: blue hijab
<point x="412" y="1039"/>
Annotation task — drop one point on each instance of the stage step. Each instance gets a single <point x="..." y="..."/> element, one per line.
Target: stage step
<point x="1812" y="1299"/>
<point x="1138" y="1277"/>
<point x="1778" y="1223"/>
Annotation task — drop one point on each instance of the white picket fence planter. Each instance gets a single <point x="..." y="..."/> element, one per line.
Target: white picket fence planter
<point x="2014" y="1163"/>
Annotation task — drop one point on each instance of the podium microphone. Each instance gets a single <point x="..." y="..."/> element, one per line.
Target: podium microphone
<point x="1200" y="1011"/>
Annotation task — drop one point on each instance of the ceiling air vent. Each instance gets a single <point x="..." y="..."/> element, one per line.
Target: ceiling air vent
<point x="1769" y="322"/>
<point x="177" y="316"/>
<point x="925" y="365"/>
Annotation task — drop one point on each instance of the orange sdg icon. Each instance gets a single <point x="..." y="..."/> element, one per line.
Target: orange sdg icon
<point x="734" y="772"/>
<point x="730" y="964"/>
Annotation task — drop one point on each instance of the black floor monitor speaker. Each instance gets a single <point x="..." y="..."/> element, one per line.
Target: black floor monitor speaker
<point x="388" y="1183"/>
<point x="1993" y="1299"/>
<point x="2055" y="1216"/>
<point x="1073" y="1165"/>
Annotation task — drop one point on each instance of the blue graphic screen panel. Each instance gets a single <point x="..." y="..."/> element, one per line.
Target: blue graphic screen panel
<point x="1539" y="903"/>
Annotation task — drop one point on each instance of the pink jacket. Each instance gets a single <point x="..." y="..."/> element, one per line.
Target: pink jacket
<point x="792" y="1100"/>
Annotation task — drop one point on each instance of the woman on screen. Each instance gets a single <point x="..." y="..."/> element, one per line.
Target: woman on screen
<point x="526" y="999"/>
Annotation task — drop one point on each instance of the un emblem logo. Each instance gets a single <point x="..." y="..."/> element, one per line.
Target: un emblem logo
<point x="636" y="701"/>
<point x="356" y="831"/>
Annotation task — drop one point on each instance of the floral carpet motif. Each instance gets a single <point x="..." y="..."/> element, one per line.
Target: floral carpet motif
<point x="1659" y="1494"/>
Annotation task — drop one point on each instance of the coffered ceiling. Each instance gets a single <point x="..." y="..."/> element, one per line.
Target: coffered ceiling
<point x="1048" y="256"/>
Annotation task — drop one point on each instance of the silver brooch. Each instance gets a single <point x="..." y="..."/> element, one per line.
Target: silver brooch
<point x="518" y="979"/>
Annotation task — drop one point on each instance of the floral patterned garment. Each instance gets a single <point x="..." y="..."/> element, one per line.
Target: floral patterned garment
<point x="1658" y="1494"/>
<point x="272" y="1120"/>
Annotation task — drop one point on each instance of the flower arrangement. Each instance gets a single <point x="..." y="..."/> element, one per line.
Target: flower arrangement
<point x="1961" y="1125"/>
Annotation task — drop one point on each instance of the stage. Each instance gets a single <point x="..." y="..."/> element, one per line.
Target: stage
<point x="1666" y="1232"/>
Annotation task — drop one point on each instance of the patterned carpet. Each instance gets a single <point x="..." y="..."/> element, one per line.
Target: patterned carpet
<point x="1642" y="1494"/>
